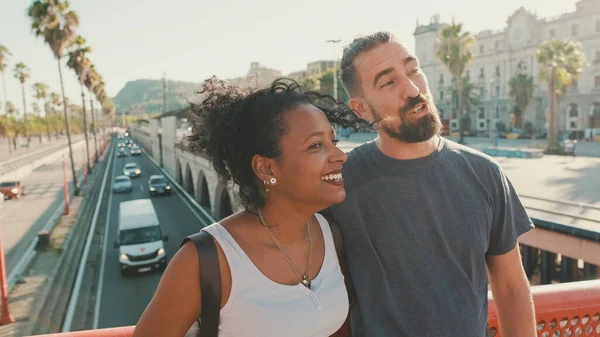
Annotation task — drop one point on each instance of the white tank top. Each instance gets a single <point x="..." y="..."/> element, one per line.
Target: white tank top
<point x="260" y="307"/>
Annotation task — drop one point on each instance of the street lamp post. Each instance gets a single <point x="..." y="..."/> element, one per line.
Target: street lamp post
<point x="497" y="114"/>
<point x="334" y="42"/>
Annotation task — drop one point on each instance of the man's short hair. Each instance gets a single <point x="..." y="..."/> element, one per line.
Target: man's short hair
<point x="359" y="46"/>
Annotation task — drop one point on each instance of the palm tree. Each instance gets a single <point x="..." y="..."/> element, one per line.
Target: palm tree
<point x="521" y="90"/>
<point x="454" y="51"/>
<point x="470" y="97"/>
<point x="91" y="81"/>
<point x="22" y="74"/>
<point x="561" y="62"/>
<point x="100" y="94"/>
<point x="53" y="21"/>
<point x="4" y="54"/>
<point x="12" y="129"/>
<point x="40" y="92"/>
<point x="81" y="65"/>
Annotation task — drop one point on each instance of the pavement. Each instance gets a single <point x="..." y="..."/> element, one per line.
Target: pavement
<point x="27" y="297"/>
<point x="21" y="219"/>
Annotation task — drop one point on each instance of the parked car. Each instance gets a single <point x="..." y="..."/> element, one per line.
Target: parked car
<point x="122" y="184"/>
<point x="11" y="189"/>
<point x="132" y="170"/>
<point x="158" y="184"/>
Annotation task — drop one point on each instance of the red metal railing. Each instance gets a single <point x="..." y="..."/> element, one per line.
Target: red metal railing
<point x="566" y="309"/>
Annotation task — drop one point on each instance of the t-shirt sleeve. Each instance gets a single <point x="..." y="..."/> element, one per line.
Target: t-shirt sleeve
<point x="510" y="217"/>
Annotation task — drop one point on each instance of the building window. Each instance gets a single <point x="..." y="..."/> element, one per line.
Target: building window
<point x="573" y="110"/>
<point x="597" y="82"/>
<point x="481" y="114"/>
<point x="481" y="49"/>
<point x="498" y="71"/>
<point x="596" y="110"/>
<point x="441" y="95"/>
<point x="442" y="78"/>
<point x="573" y="125"/>
<point x="481" y="73"/>
<point x="481" y="125"/>
<point x="575" y="30"/>
<point x="497" y="45"/>
<point x="552" y="33"/>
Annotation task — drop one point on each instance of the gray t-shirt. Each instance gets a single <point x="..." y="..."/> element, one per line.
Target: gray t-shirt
<point x="416" y="234"/>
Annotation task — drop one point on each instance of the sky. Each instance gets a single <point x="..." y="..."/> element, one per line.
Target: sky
<point x="190" y="40"/>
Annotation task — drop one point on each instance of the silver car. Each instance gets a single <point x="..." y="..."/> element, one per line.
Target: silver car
<point x="122" y="184"/>
<point x="132" y="170"/>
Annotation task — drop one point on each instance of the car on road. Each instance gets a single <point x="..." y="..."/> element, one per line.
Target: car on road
<point x="140" y="240"/>
<point x="132" y="170"/>
<point x="122" y="184"/>
<point x="158" y="185"/>
<point x="135" y="150"/>
<point x="121" y="144"/>
<point x="11" y="189"/>
<point x="121" y="152"/>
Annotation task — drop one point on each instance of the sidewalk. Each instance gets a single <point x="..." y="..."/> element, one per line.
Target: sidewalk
<point x="27" y="297"/>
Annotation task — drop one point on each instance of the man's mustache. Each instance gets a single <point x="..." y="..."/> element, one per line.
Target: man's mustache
<point x="413" y="102"/>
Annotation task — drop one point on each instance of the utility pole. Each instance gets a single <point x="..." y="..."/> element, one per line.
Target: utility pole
<point x="334" y="42"/>
<point x="164" y="92"/>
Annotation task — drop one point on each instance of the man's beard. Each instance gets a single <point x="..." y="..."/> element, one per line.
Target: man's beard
<point x="413" y="132"/>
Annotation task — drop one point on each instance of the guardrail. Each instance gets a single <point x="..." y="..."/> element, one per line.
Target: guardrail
<point x="74" y="298"/>
<point x="566" y="309"/>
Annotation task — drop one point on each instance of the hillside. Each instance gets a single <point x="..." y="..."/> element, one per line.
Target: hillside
<point x="142" y="97"/>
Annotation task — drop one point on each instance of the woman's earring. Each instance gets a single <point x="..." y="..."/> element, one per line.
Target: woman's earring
<point x="273" y="181"/>
<point x="266" y="185"/>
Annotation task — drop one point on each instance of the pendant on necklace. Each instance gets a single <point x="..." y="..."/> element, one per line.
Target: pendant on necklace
<point x="305" y="281"/>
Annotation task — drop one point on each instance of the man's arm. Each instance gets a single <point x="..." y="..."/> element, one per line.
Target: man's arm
<point x="512" y="295"/>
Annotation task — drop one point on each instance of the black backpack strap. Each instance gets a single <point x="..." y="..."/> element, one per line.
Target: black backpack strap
<point x="338" y="240"/>
<point x="210" y="282"/>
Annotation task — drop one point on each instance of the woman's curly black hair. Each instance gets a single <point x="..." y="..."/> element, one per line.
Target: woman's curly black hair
<point x="234" y="124"/>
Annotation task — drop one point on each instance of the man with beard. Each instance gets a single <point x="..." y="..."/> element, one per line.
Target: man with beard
<point x="425" y="220"/>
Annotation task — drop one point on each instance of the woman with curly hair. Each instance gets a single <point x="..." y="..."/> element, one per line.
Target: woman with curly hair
<point x="279" y="272"/>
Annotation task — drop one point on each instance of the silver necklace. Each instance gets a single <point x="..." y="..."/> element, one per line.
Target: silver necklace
<point x="304" y="278"/>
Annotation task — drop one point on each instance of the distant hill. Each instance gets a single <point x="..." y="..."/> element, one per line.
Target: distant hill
<point x="142" y="97"/>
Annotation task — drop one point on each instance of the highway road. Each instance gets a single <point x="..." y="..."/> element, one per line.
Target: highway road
<point x="123" y="299"/>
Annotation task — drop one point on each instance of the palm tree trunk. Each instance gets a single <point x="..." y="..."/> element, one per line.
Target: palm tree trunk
<point x="47" y="121"/>
<point x="28" y="132"/>
<point x="94" y="128"/>
<point x="461" y="117"/>
<point x="14" y="141"/>
<point x="68" y="132"/>
<point x="552" y="132"/>
<point x="4" y="91"/>
<point x="9" y="144"/>
<point x="85" y="132"/>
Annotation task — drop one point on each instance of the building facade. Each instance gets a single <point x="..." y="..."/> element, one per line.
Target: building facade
<point x="500" y="55"/>
<point x="257" y="76"/>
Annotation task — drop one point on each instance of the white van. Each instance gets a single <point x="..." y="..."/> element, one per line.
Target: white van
<point x="139" y="239"/>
